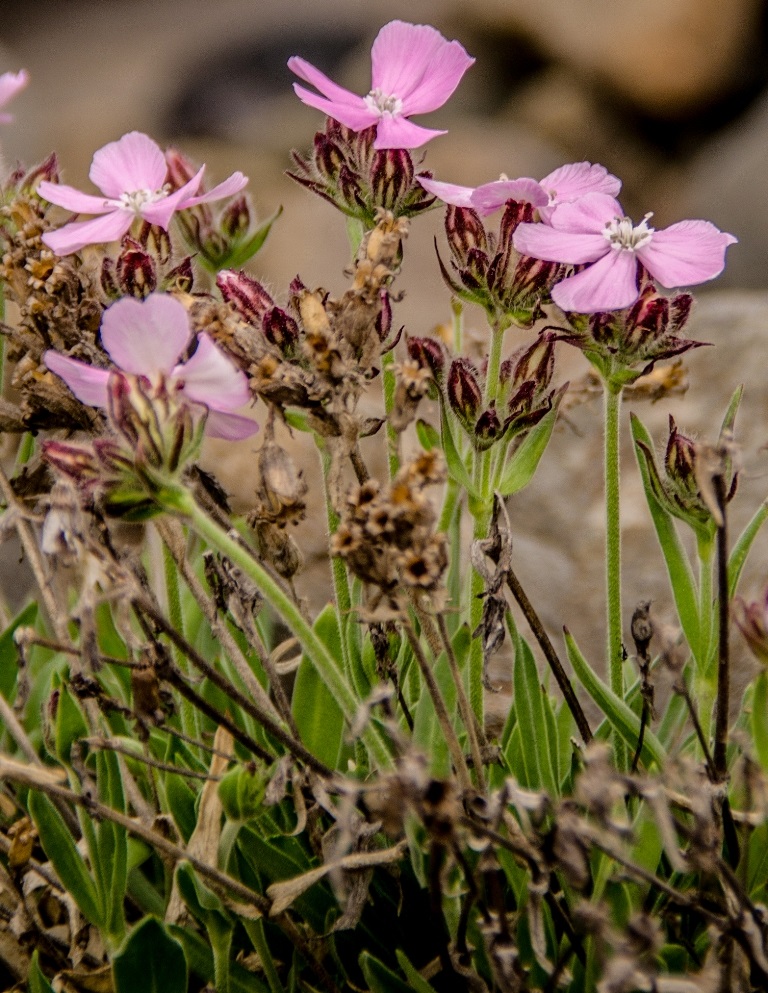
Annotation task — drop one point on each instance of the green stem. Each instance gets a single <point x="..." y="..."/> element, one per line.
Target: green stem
<point x="179" y="501"/>
<point x="189" y="717"/>
<point x="494" y="363"/>
<point x="457" y="309"/>
<point x="389" y="385"/>
<point x="612" y="408"/>
<point x="702" y="651"/>
<point x="482" y="516"/>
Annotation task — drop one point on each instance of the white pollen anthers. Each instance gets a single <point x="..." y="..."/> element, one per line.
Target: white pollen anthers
<point x="382" y="104"/>
<point x="622" y="235"/>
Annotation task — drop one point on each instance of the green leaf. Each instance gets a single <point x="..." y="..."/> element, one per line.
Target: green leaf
<point x="150" y="961"/>
<point x="760" y="719"/>
<point x="620" y="716"/>
<point x="529" y="704"/>
<point x="36" y="980"/>
<point x="520" y="468"/>
<point x="9" y="653"/>
<point x="416" y="980"/>
<point x="678" y="565"/>
<point x="212" y="914"/>
<point x="428" y="436"/>
<point x="241" y="792"/>
<point x="66" y="859"/>
<point x="318" y="717"/>
<point x="298" y="420"/>
<point x="112" y="846"/>
<point x="69" y="724"/>
<point x="380" y="977"/>
<point x="200" y="960"/>
<point x="427" y="733"/>
<point x="456" y="468"/>
<point x="742" y="547"/>
<point x="245" y="251"/>
<point x="180" y="799"/>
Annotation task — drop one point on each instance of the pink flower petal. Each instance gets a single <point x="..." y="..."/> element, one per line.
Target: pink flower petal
<point x="332" y="91"/>
<point x="132" y="163"/>
<point x="72" y="199"/>
<point x="415" y="63"/>
<point x="457" y="196"/>
<point x="575" y="180"/>
<point x="609" y="284"/>
<point x="161" y="211"/>
<point x="145" y="337"/>
<point x="587" y="215"/>
<point x="397" y="132"/>
<point x="236" y="182"/>
<point x="686" y="253"/>
<point x="88" y="383"/>
<point x="10" y="84"/>
<point x="550" y="245"/>
<point x="231" y="427"/>
<point x="492" y="196"/>
<point x="213" y="379"/>
<point x="96" y="231"/>
<point x="356" y="116"/>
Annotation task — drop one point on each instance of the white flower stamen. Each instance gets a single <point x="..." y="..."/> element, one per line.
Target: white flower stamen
<point x="381" y="103"/>
<point x="139" y="199"/>
<point x="623" y="236"/>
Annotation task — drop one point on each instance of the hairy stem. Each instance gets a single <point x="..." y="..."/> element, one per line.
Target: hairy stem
<point x="615" y="648"/>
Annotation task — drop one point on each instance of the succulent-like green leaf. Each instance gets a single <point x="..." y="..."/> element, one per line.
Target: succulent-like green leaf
<point x="150" y="961"/>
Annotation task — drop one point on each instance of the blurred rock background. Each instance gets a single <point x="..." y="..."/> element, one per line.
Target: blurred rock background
<point x="671" y="95"/>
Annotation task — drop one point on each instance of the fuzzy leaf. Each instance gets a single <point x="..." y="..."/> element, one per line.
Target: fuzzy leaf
<point x="8" y="651"/>
<point x="620" y="716"/>
<point x="151" y="961"/>
<point x="428" y="436"/>
<point x="456" y="468"/>
<point x="60" y="848"/>
<point x="318" y="716"/>
<point x="529" y="702"/>
<point x="417" y="981"/>
<point x="520" y="468"/>
<point x="380" y="977"/>
<point x="36" y="980"/>
<point x="760" y="718"/>
<point x="678" y="565"/>
<point x="742" y="547"/>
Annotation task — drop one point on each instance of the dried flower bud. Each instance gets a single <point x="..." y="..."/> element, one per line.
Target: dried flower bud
<point x="464" y="393"/>
<point x="281" y="330"/>
<point x="180" y="278"/>
<point x="135" y="270"/>
<point x="74" y="461"/>
<point x="245" y="295"/>
<point x="752" y="621"/>
<point x="47" y="170"/>
<point x="428" y="353"/>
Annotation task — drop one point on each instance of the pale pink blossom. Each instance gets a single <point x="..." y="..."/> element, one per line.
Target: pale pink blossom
<point x="146" y="338"/>
<point x="132" y="175"/>
<point x="564" y="185"/>
<point x="10" y="84"/>
<point x="593" y="231"/>
<point x="414" y="70"/>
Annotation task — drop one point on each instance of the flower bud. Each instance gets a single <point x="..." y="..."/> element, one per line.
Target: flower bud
<point x="515" y="212"/>
<point x="464" y="393"/>
<point x="488" y="428"/>
<point x="679" y="311"/>
<point x="180" y="168"/>
<point x="384" y="316"/>
<point x="245" y="295"/>
<point x="157" y="242"/>
<point x="135" y="270"/>
<point x="235" y="221"/>
<point x="47" y="170"/>
<point x="465" y="232"/>
<point x="680" y="460"/>
<point x="535" y="363"/>
<point x="74" y="461"/>
<point x="391" y="177"/>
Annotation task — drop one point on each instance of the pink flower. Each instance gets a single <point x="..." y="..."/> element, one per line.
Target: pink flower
<point x="10" y="84"/>
<point x="132" y="175"/>
<point x="594" y="232"/>
<point x="146" y="338"/>
<point x="414" y="70"/>
<point x="564" y="185"/>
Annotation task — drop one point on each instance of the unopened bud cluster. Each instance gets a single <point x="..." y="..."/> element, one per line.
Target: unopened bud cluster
<point x="489" y="271"/>
<point x="144" y="265"/>
<point x="624" y="344"/>
<point x="350" y="173"/>
<point x="523" y="399"/>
